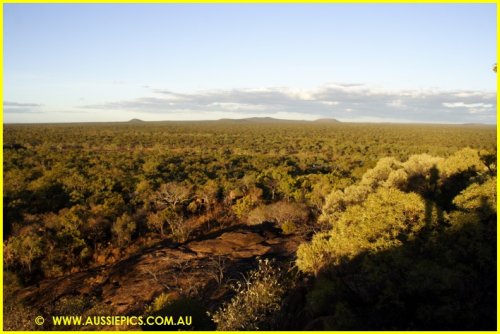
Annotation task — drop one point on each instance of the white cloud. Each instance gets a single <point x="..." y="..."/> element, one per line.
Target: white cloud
<point x="330" y="103"/>
<point x="338" y="100"/>
<point x="472" y="108"/>
<point x="467" y="105"/>
<point x="238" y="106"/>
<point x="396" y="104"/>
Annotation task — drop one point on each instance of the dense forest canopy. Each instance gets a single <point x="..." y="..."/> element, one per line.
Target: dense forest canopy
<point x="400" y="210"/>
<point x="411" y="245"/>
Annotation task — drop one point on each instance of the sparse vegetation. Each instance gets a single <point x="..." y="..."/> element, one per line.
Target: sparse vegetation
<point x="159" y="303"/>
<point x="256" y="298"/>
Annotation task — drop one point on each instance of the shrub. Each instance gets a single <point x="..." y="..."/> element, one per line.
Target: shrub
<point x="23" y="249"/>
<point x="123" y="228"/>
<point x="378" y="174"/>
<point x="159" y="303"/>
<point x="281" y="213"/>
<point x="382" y="221"/>
<point x="256" y="299"/>
<point x="478" y="197"/>
<point x="156" y="222"/>
<point x="289" y="227"/>
<point x="413" y="251"/>
<point x="243" y="206"/>
<point x="464" y="160"/>
<point x="178" y="227"/>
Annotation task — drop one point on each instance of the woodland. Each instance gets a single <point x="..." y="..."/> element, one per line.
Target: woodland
<point x="252" y="224"/>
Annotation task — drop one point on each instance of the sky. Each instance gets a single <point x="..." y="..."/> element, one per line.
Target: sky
<point x="353" y="62"/>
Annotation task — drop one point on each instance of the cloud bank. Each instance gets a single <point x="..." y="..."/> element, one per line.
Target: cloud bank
<point x="346" y="102"/>
<point x="10" y="107"/>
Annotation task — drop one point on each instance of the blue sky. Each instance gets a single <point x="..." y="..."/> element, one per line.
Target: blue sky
<point x="399" y="63"/>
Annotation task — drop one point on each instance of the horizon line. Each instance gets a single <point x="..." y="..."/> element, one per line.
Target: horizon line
<point x="323" y="120"/>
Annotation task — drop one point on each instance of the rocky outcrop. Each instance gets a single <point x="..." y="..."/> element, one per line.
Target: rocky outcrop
<point x="188" y="269"/>
<point x="232" y="244"/>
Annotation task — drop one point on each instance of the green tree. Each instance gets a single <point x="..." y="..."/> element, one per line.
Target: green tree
<point x="25" y="250"/>
<point x="123" y="228"/>
<point x="386" y="219"/>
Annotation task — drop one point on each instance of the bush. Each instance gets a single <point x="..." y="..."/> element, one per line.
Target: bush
<point x="160" y="302"/>
<point x="288" y="227"/>
<point x="24" y="250"/>
<point x="123" y="229"/>
<point x="282" y="213"/>
<point x="384" y="220"/>
<point x="255" y="301"/>
<point x="414" y="250"/>
<point x="478" y="197"/>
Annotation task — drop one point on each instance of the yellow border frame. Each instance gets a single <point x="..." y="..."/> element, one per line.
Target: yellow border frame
<point x="253" y="2"/>
<point x="224" y="2"/>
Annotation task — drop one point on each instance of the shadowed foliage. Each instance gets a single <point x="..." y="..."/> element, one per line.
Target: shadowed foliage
<point x="418" y="254"/>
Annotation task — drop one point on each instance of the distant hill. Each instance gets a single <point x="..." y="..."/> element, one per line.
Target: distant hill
<point x="274" y="120"/>
<point x="477" y="124"/>
<point x="254" y="120"/>
<point x="327" y="120"/>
